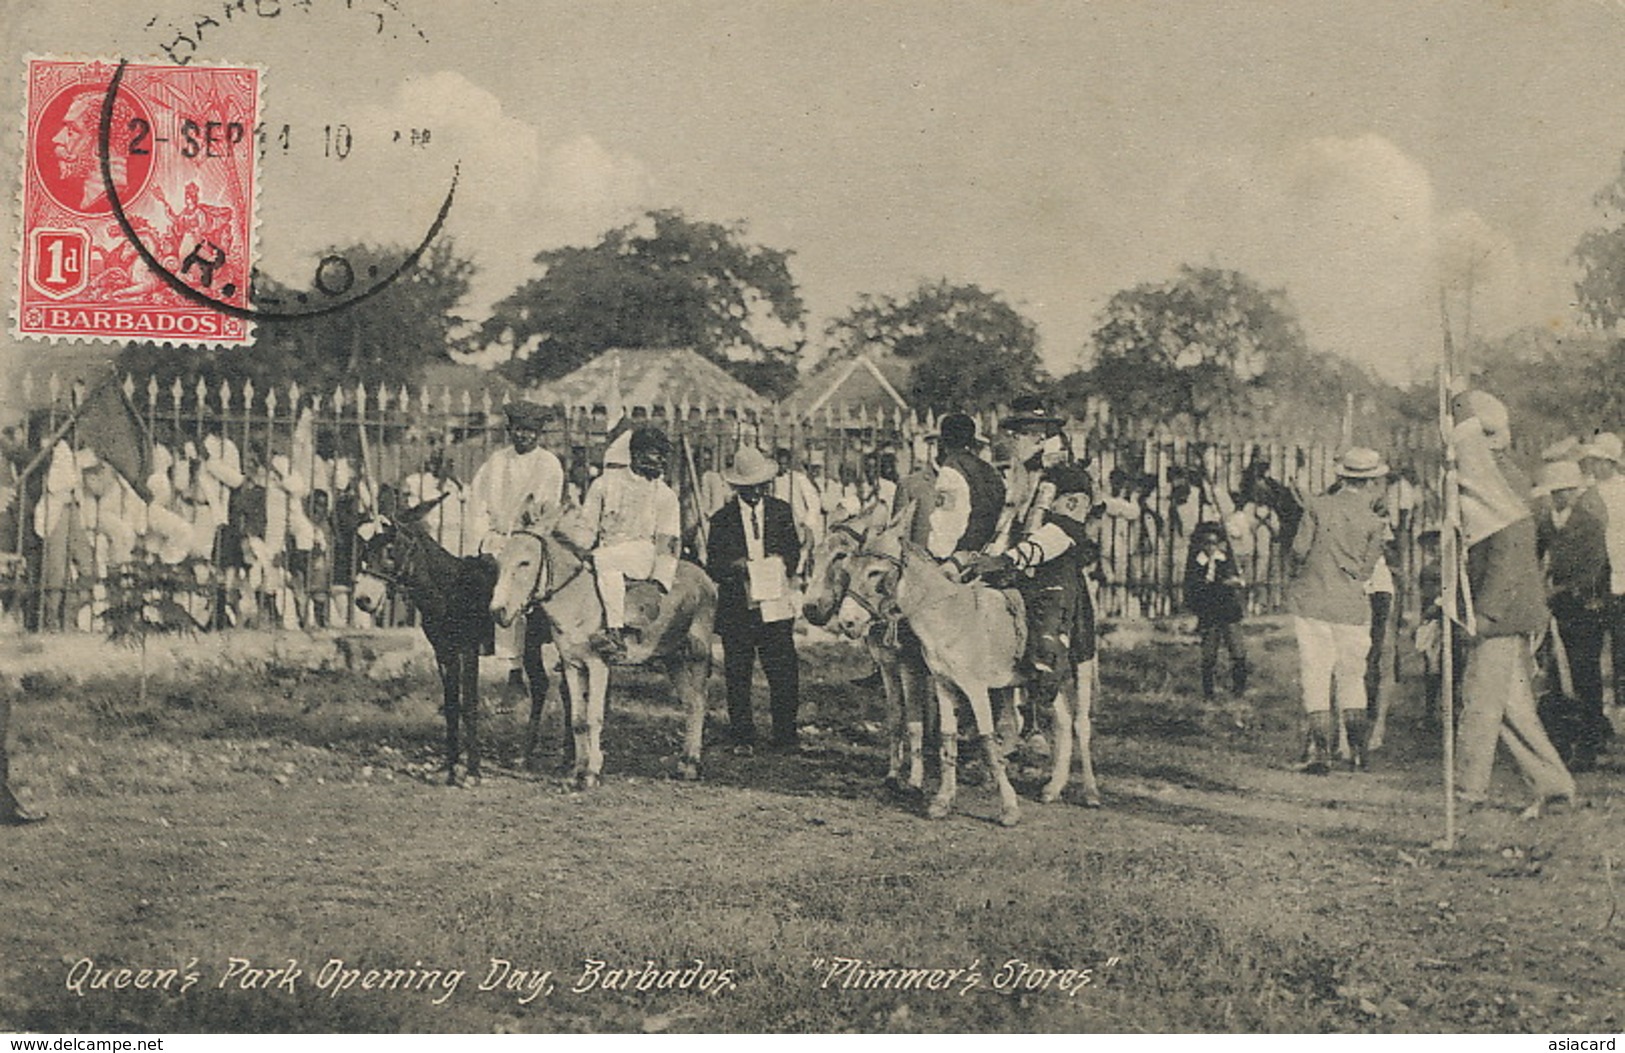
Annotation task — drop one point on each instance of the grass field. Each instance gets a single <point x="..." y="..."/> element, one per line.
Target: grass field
<point x="273" y="815"/>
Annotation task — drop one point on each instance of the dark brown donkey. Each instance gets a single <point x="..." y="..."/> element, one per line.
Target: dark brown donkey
<point x="452" y="595"/>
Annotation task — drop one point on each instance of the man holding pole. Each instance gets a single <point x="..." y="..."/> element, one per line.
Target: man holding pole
<point x="1508" y="608"/>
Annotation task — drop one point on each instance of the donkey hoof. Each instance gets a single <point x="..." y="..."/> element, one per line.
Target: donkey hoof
<point x="1009" y="817"/>
<point x="1052" y="793"/>
<point x="688" y="770"/>
<point x="1091" y="800"/>
<point x="588" y="780"/>
<point x="893" y="784"/>
<point x="938" y="808"/>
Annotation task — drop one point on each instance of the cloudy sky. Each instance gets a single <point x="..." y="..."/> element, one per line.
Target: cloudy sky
<point x="1356" y="155"/>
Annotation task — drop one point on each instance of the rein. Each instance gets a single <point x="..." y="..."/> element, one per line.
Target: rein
<point x="539" y="593"/>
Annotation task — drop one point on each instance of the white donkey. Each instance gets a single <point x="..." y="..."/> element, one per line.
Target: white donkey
<point x="974" y="637"/>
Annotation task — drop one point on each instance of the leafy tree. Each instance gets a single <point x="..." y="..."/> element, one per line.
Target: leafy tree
<point x="147" y="598"/>
<point x="1197" y="346"/>
<point x="1600" y="292"/>
<point x="968" y="347"/>
<point x="667" y="282"/>
<point x="384" y="338"/>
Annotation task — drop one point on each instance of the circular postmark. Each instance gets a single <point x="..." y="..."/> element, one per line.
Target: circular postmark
<point x="335" y="281"/>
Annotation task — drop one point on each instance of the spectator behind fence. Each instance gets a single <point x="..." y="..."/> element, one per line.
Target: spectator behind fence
<point x="67" y="558"/>
<point x="1214" y="589"/>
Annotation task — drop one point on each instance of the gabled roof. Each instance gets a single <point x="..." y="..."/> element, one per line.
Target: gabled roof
<point x="874" y="379"/>
<point x="648" y="377"/>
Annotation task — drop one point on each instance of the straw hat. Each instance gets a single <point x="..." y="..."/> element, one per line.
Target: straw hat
<point x="1559" y="475"/>
<point x="751" y="467"/>
<point x="1359" y="462"/>
<point x="1604" y="445"/>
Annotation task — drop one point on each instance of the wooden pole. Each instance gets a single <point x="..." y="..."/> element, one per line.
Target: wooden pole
<point x="1449" y="580"/>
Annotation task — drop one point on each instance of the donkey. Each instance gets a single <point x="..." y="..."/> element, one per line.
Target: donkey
<point x="548" y="572"/>
<point x="903" y="675"/>
<point x="452" y="595"/>
<point x="974" y="638"/>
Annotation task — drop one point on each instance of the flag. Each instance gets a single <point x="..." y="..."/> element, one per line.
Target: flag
<point x="107" y="423"/>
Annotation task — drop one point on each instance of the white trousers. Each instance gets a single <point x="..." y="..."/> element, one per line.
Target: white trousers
<point x="1331" y="653"/>
<point x="612" y="565"/>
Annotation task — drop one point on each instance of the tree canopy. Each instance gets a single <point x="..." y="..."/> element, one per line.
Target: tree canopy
<point x="1198" y="346"/>
<point x="666" y="281"/>
<point x="385" y="338"/>
<point x="968" y="347"/>
<point x="1600" y="292"/>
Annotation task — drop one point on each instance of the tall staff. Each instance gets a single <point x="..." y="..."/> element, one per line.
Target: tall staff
<point x="1452" y="587"/>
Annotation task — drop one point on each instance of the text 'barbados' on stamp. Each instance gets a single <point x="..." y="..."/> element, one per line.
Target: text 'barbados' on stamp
<point x="181" y="156"/>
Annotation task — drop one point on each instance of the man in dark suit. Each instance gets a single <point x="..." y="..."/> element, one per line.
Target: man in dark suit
<point x="752" y="549"/>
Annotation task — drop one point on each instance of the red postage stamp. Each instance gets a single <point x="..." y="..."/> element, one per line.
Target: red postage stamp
<point x="153" y="259"/>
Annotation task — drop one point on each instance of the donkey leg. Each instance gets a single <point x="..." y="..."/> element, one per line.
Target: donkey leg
<point x="892" y="689"/>
<point x="916" y="682"/>
<point x="451" y="709"/>
<point x="469" y="674"/>
<point x="568" y="691"/>
<point x="575" y="681"/>
<point x="947" y="708"/>
<point x="590" y="727"/>
<point x="533" y="730"/>
<point x="688" y="681"/>
<point x="982" y="706"/>
<point x="1083" y="725"/>
<point x="1064" y="704"/>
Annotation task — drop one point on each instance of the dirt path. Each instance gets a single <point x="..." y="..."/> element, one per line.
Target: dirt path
<point x="292" y="818"/>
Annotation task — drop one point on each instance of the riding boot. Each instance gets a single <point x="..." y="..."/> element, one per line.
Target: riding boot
<point x="1320" y="739"/>
<point x="1359" y="732"/>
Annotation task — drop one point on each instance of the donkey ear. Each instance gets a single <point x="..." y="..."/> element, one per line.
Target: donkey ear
<point x="416" y="513"/>
<point x="902" y="518"/>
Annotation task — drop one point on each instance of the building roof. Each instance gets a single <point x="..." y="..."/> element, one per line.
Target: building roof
<point x="875" y="380"/>
<point x="676" y="376"/>
<point x="457" y="377"/>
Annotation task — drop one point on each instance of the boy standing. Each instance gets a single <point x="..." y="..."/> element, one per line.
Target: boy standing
<point x="1213" y="592"/>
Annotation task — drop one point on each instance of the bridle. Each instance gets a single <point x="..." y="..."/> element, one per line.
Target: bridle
<point x="540" y="592"/>
<point x="857" y="596"/>
<point x="407" y="548"/>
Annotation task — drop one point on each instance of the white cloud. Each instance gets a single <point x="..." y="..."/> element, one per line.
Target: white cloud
<point x="518" y="192"/>
<point x="1351" y="229"/>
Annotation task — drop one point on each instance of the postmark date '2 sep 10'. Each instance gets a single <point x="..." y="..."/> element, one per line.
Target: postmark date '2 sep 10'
<point x="182" y="155"/>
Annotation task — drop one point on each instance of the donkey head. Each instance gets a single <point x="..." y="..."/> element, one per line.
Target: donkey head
<point x="829" y="572"/>
<point x="388" y="550"/>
